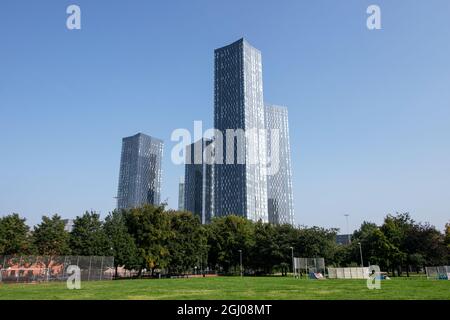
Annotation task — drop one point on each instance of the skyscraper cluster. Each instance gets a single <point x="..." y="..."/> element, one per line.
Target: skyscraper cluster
<point x="251" y="172"/>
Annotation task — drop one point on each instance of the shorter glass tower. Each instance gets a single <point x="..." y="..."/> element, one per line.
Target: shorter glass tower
<point x="279" y="182"/>
<point x="140" y="171"/>
<point x="198" y="182"/>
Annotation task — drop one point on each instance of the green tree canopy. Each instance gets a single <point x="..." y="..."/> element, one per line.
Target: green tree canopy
<point x="447" y="233"/>
<point x="375" y="246"/>
<point x="316" y="242"/>
<point x="88" y="238"/>
<point x="150" y="228"/>
<point x="396" y="229"/>
<point x="49" y="237"/>
<point x="447" y="242"/>
<point x="122" y="243"/>
<point x="187" y="243"/>
<point x="265" y="252"/>
<point x="424" y="240"/>
<point x="226" y="236"/>
<point x="14" y="235"/>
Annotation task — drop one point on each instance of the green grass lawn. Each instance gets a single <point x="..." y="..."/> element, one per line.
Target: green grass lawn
<point x="233" y="288"/>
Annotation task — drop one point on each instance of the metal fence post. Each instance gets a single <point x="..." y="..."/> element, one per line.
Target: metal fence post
<point x="306" y="268"/>
<point x="64" y="267"/>
<point x="101" y="269"/>
<point x="48" y="268"/>
<point x="1" y="269"/>
<point x="18" y="269"/>
<point x="89" y="272"/>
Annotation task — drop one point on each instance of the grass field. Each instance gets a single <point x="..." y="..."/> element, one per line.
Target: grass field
<point x="221" y="288"/>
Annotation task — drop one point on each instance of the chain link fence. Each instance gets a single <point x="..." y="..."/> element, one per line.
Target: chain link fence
<point x="309" y="265"/>
<point x="25" y="269"/>
<point x="438" y="273"/>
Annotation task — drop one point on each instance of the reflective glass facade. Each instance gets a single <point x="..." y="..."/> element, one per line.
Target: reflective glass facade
<point x="198" y="182"/>
<point x="240" y="189"/>
<point x="279" y="185"/>
<point x="140" y="171"/>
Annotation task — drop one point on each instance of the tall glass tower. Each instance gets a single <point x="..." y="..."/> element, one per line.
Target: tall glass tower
<point x="240" y="188"/>
<point x="140" y="171"/>
<point x="279" y="182"/>
<point x="198" y="182"/>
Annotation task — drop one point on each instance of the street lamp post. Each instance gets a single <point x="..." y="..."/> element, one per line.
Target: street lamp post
<point x="240" y="260"/>
<point x="293" y="262"/>
<point x="360" y="253"/>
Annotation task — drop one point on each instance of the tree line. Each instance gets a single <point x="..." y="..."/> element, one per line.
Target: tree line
<point x="155" y="240"/>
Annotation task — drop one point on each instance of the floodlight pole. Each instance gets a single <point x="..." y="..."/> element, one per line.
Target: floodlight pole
<point x="240" y="260"/>
<point x="360" y="253"/>
<point x="293" y="263"/>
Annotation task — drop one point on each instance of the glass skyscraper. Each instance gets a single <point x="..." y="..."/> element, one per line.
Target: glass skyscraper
<point x="240" y="188"/>
<point x="140" y="171"/>
<point x="198" y="182"/>
<point x="279" y="184"/>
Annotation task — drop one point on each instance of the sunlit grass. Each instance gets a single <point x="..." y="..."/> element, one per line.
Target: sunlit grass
<point x="233" y="288"/>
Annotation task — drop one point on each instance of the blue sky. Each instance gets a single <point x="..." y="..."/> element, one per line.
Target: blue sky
<point x="369" y="110"/>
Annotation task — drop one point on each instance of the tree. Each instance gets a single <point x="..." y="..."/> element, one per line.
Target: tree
<point x="285" y="238"/>
<point x="364" y="231"/>
<point x="150" y="228"/>
<point x="122" y="243"/>
<point x="49" y="237"/>
<point x="447" y="234"/>
<point x="265" y="252"/>
<point x="447" y="242"/>
<point x="187" y="242"/>
<point x="426" y="241"/>
<point x="88" y="237"/>
<point x="316" y="242"/>
<point x="396" y="229"/>
<point x="376" y="247"/>
<point x="226" y="236"/>
<point x="417" y="244"/>
<point x="14" y="236"/>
